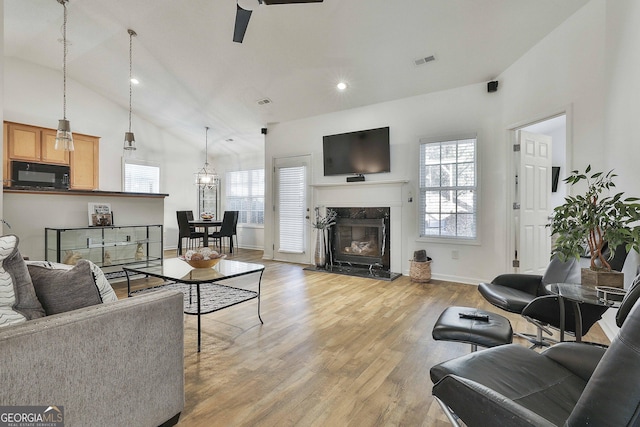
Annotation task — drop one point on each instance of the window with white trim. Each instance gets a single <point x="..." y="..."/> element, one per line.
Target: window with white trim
<point x="245" y="194"/>
<point x="140" y="177"/>
<point x="448" y="189"/>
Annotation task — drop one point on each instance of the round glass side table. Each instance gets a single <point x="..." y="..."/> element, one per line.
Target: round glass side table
<point x="577" y="294"/>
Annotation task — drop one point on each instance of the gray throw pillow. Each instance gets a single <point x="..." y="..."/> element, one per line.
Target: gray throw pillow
<point x="18" y="301"/>
<point x="106" y="291"/>
<point x="65" y="290"/>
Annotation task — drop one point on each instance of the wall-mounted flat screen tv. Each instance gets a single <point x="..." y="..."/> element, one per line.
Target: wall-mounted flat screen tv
<point x="361" y="152"/>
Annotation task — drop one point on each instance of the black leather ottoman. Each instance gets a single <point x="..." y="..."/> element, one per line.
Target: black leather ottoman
<point x="451" y="327"/>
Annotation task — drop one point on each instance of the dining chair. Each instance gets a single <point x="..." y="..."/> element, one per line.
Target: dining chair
<point x="186" y="231"/>
<point x="227" y="229"/>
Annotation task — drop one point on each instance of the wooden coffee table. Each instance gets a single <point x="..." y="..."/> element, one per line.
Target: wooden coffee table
<point x="210" y="294"/>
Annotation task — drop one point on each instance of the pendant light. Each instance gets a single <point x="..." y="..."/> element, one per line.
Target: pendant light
<point x="129" y="139"/>
<point x="204" y="177"/>
<point x="64" y="138"/>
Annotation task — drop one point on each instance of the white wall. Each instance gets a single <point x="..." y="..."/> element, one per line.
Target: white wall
<point x="621" y="149"/>
<point x="622" y="82"/>
<point x="30" y="214"/>
<point x="463" y="110"/>
<point x="563" y="73"/>
<point x="33" y="95"/>
<point x="589" y="66"/>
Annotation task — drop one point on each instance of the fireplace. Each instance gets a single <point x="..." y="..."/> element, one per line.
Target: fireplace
<point x="359" y="242"/>
<point x="384" y="199"/>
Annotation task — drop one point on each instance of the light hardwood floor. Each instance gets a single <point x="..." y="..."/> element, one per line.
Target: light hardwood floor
<point x="333" y="351"/>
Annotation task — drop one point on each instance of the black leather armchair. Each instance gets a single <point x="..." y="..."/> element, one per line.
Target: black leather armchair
<point x="520" y="293"/>
<point x="525" y="294"/>
<point x="570" y="384"/>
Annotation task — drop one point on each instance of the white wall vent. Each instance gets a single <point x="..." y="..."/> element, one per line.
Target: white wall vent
<point x="422" y="61"/>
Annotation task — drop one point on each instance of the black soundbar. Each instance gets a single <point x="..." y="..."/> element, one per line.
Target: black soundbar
<point x="357" y="178"/>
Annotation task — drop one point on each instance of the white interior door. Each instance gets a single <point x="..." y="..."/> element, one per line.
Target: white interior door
<point x="291" y="208"/>
<point x="534" y="243"/>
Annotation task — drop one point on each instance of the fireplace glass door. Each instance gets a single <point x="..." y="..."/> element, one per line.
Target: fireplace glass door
<point x="359" y="241"/>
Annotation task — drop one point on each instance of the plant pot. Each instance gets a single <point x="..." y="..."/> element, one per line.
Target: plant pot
<point x="594" y="278"/>
<point x="321" y="251"/>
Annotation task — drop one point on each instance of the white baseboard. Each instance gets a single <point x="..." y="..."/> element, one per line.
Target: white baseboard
<point x="608" y="323"/>
<point x="457" y="279"/>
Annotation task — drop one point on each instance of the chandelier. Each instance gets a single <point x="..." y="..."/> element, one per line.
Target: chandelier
<point x="205" y="178"/>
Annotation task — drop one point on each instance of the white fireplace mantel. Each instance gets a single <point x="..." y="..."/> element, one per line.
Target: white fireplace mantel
<point x="368" y="194"/>
<point x="360" y="183"/>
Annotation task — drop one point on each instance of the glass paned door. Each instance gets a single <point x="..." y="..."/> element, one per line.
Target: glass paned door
<point x="291" y="204"/>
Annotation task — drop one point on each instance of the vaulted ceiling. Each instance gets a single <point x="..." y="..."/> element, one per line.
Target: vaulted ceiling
<point x="193" y="75"/>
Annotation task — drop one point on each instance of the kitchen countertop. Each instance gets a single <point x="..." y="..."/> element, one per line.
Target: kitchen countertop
<point x="36" y="190"/>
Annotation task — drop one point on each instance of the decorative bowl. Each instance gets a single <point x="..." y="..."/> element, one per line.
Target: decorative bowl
<point x="206" y="216"/>
<point x="203" y="263"/>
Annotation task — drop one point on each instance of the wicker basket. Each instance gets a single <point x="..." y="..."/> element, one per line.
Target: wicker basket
<point x="420" y="271"/>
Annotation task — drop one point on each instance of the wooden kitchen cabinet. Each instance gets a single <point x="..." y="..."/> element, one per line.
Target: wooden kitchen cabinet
<point x="33" y="144"/>
<point x="85" y="160"/>
<point x="48" y="152"/>
<point x="6" y="177"/>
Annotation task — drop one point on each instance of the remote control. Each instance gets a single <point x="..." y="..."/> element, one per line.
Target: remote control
<point x="474" y="316"/>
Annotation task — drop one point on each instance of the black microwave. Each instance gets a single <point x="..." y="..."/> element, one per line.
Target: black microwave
<point x="40" y="175"/>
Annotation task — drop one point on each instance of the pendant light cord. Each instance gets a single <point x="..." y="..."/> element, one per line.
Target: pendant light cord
<point x="64" y="60"/>
<point x="131" y="34"/>
<point x="206" y="147"/>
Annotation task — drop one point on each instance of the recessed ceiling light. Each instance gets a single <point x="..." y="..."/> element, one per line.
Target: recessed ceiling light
<point x="341" y="86"/>
<point x="135" y="81"/>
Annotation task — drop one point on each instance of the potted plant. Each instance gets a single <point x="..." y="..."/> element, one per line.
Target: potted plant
<point x="596" y="220"/>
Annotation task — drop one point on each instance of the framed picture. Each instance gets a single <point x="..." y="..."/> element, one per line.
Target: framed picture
<point x="100" y="214"/>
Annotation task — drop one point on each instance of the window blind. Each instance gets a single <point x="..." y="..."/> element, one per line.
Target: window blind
<point x="245" y="194"/>
<point x="291" y="208"/>
<point x="141" y="178"/>
<point x="448" y="189"/>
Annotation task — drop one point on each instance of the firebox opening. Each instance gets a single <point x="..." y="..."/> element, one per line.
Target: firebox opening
<point x="365" y="245"/>
<point x="359" y="241"/>
<point x="360" y="238"/>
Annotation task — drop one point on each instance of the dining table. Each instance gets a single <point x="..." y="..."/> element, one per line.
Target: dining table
<point x="206" y="224"/>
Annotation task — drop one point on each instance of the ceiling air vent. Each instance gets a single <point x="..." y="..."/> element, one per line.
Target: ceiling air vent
<point x="264" y="101"/>
<point x="422" y="61"/>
